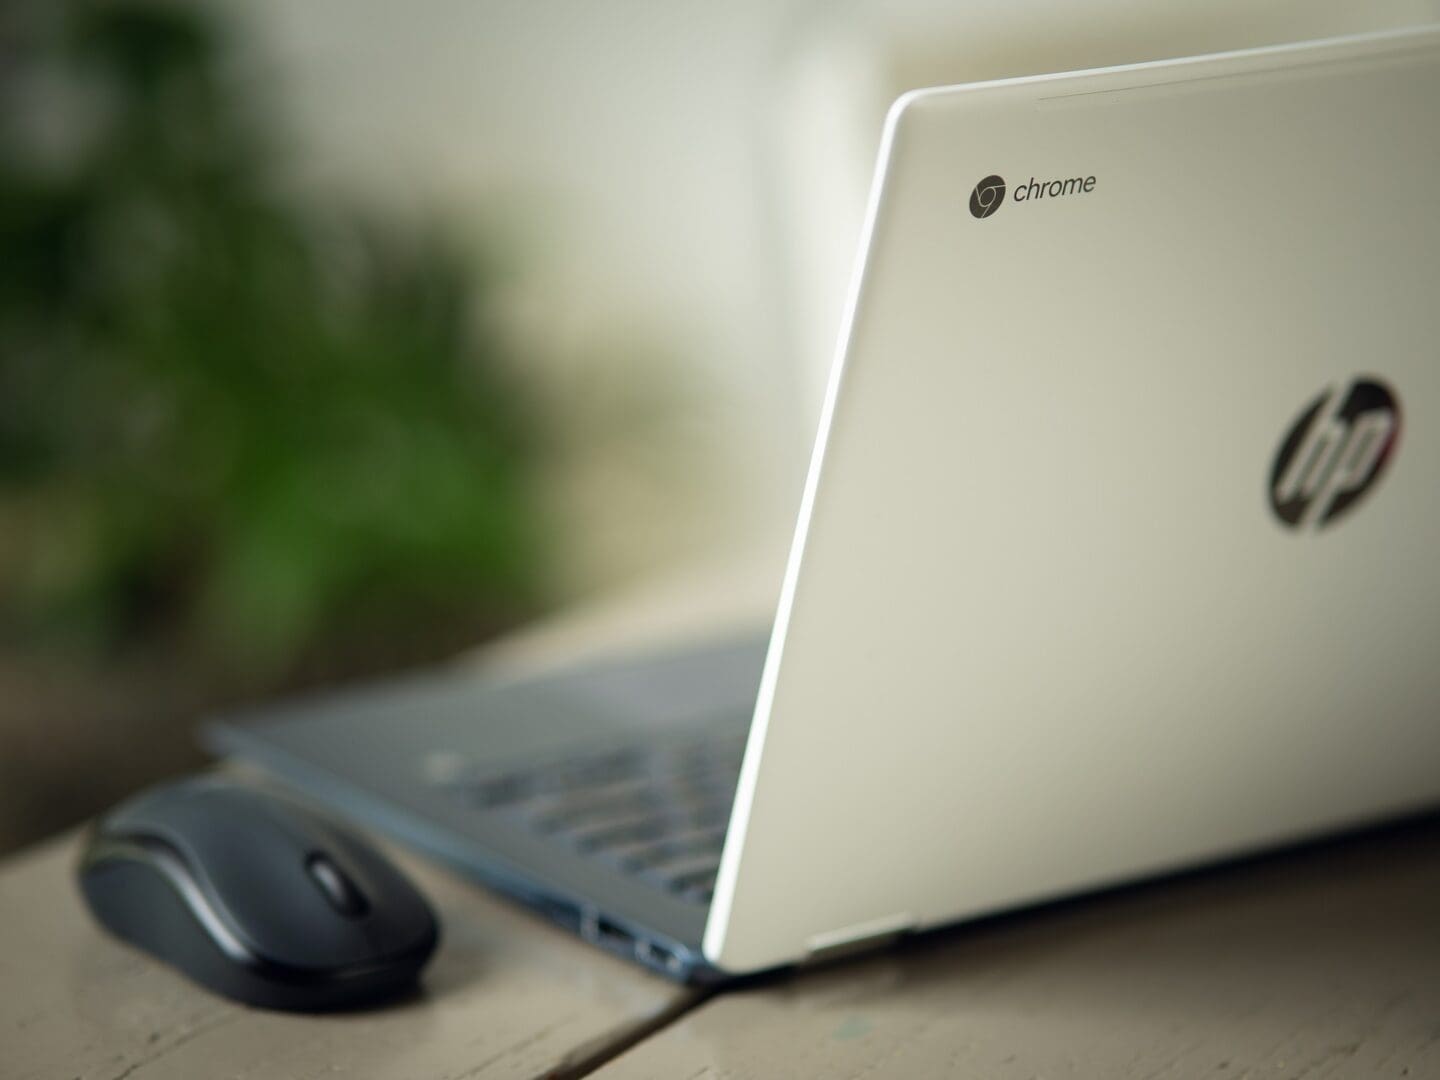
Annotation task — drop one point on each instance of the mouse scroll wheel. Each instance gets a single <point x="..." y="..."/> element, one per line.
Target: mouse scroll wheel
<point x="344" y="897"/>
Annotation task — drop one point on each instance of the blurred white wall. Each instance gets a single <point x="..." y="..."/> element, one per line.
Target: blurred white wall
<point x="681" y="183"/>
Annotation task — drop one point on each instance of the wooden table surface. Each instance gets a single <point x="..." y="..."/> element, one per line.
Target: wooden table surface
<point x="1323" y="962"/>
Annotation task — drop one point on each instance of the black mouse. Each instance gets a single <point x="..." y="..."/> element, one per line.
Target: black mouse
<point x="256" y="897"/>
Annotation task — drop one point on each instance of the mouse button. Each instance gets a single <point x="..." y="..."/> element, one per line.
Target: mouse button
<point x="274" y="903"/>
<point x="249" y="864"/>
<point x="168" y="814"/>
<point x="399" y="917"/>
<point x="336" y="887"/>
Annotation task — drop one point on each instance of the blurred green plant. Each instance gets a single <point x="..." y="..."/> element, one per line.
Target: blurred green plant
<point x="227" y="418"/>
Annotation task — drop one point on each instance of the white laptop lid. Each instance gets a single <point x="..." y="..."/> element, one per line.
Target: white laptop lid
<point x="1119" y="547"/>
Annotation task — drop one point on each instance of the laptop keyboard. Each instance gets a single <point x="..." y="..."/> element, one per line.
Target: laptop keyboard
<point x="657" y="810"/>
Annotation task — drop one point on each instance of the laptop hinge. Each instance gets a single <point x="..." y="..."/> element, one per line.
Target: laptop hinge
<point x="871" y="934"/>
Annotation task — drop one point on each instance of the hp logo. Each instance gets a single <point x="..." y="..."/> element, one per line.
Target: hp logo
<point x="987" y="196"/>
<point x="1334" y="453"/>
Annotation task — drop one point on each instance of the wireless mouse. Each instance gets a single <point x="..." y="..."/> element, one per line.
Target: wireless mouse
<point x="256" y="897"/>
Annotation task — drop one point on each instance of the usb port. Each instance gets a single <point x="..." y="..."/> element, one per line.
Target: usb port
<point x="657" y="956"/>
<point x="602" y="931"/>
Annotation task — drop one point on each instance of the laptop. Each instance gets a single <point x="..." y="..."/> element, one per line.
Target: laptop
<point x="1117" y="554"/>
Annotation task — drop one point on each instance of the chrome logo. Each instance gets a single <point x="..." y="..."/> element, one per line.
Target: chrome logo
<point x="987" y="196"/>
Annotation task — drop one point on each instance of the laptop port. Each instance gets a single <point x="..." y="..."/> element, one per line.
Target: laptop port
<point x="657" y="956"/>
<point x="602" y="931"/>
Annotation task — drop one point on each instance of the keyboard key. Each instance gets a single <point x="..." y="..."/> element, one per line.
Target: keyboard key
<point x="499" y="791"/>
<point x="685" y="871"/>
<point x="642" y="854"/>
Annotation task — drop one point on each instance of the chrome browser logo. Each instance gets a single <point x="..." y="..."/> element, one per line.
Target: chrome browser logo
<point x="987" y="196"/>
